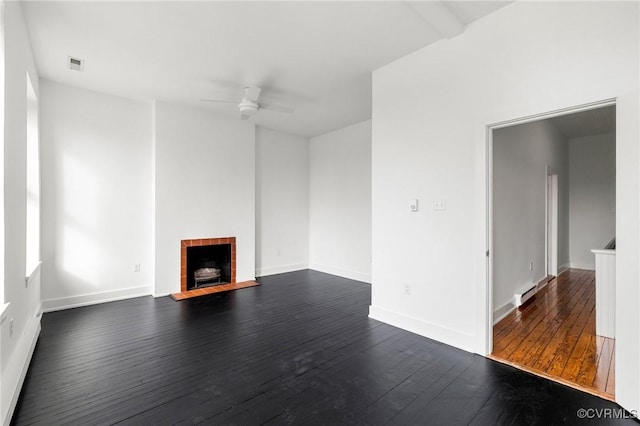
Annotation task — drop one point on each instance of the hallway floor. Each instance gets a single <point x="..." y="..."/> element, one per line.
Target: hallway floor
<point x="554" y="336"/>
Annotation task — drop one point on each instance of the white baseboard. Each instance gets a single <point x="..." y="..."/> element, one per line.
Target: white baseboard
<point x="263" y="272"/>
<point x="507" y="308"/>
<point x="502" y="312"/>
<point x="544" y="282"/>
<point x="424" y="328"/>
<point x="537" y="281"/>
<point x="586" y="266"/>
<point x="94" y="298"/>
<point x="563" y="268"/>
<point x="344" y="273"/>
<point x="16" y="369"/>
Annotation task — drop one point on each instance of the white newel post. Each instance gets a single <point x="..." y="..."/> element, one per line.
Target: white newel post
<point x="605" y="292"/>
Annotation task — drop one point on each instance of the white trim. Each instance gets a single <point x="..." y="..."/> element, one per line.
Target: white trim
<point x="552" y="197"/>
<point x="485" y="299"/>
<point x="606" y="252"/>
<point x="537" y="281"/>
<point x="423" y="328"/>
<point x="557" y="113"/>
<point x="500" y="313"/>
<point x="16" y="369"/>
<point x="3" y="309"/>
<point x="542" y="283"/>
<point x="564" y="268"/>
<point x="263" y="272"/>
<point x="156" y="295"/>
<point x="94" y="298"/>
<point x="34" y="271"/>
<point x="344" y="273"/>
<point x="586" y="266"/>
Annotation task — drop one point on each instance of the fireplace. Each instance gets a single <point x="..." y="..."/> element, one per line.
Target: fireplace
<point x="207" y="262"/>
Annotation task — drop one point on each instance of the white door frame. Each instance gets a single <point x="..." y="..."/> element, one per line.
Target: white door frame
<point x="551" y="234"/>
<point x="488" y="327"/>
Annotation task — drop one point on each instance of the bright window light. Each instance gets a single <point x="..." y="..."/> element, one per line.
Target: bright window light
<point x="2" y="101"/>
<point x="33" y="181"/>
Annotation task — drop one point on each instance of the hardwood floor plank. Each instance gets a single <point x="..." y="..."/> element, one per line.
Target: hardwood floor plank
<point x="471" y="390"/>
<point x="558" y="352"/>
<point x="356" y="378"/>
<point x="564" y="292"/>
<point x="555" y="336"/>
<point x="547" y="295"/>
<point x="397" y="399"/>
<point x="587" y="372"/>
<point x="544" y="333"/>
<point x="611" y="377"/>
<point x="299" y="348"/>
<point x="604" y="362"/>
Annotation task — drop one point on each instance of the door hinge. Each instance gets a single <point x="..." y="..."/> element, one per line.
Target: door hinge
<point x="487" y="253"/>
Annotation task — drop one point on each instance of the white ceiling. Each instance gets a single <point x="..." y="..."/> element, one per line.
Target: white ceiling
<point x="316" y="57"/>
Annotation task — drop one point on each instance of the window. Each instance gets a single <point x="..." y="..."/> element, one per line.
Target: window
<point x="33" y="182"/>
<point x="2" y="101"/>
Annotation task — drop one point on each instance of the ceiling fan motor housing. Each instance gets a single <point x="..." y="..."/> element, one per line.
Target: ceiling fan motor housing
<point x="248" y="107"/>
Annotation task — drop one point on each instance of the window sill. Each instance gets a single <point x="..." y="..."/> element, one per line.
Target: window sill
<point x="27" y="278"/>
<point x="3" y="309"/>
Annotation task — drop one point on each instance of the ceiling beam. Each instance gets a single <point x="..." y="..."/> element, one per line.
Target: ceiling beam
<point x="436" y="14"/>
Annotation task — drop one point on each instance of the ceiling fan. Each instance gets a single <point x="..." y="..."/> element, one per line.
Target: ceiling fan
<point x="249" y="105"/>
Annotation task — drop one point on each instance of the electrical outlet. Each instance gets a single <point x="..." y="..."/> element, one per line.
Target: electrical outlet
<point x="531" y="266"/>
<point x="11" y="327"/>
<point x="407" y="289"/>
<point x="279" y="252"/>
<point x="136" y="267"/>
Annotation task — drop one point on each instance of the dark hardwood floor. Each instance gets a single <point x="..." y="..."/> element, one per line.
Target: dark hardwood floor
<point x="299" y="349"/>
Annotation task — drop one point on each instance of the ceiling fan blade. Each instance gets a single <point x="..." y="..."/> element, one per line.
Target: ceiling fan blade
<point x="279" y="108"/>
<point x="251" y="93"/>
<point x="218" y="101"/>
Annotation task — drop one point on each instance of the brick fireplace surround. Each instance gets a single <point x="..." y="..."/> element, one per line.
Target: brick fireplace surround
<point x="233" y="285"/>
<point x="205" y="242"/>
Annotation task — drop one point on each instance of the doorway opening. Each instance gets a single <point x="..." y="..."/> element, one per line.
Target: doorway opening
<point x="551" y="202"/>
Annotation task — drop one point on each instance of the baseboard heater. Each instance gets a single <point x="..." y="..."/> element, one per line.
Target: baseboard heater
<point x="527" y="294"/>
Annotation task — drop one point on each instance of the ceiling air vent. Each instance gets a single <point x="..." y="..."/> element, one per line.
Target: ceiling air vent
<point x="76" y="64"/>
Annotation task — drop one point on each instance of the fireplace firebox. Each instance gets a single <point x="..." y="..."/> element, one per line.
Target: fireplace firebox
<point x="207" y="262"/>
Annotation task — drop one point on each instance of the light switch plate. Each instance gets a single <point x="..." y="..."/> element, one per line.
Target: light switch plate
<point x="440" y="205"/>
<point x="414" y="205"/>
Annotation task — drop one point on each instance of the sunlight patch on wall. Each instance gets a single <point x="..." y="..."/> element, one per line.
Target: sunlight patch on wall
<point x="80" y="255"/>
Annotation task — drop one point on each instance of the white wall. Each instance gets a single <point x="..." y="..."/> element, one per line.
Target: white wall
<point x="592" y="165"/>
<point x="16" y="346"/>
<point x="204" y="187"/>
<point x="340" y="202"/>
<point x="282" y="202"/>
<point x="521" y="155"/>
<point x="96" y="186"/>
<point x="431" y="110"/>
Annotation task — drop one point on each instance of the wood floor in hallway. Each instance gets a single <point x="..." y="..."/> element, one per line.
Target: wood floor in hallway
<point x="554" y="336"/>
